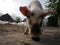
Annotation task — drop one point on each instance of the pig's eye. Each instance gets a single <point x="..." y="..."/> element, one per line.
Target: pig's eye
<point x="28" y="16"/>
<point x="41" y="16"/>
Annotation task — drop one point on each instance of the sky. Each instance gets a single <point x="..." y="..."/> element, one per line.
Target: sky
<point x="12" y="7"/>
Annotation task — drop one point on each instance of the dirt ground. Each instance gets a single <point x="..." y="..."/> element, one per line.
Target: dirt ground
<point x="50" y="36"/>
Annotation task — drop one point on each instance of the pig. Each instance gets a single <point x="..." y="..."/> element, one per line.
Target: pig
<point x="35" y="15"/>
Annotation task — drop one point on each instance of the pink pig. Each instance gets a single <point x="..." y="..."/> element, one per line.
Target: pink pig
<point x="35" y="15"/>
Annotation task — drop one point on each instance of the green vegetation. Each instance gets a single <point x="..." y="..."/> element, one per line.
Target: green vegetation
<point x="54" y="5"/>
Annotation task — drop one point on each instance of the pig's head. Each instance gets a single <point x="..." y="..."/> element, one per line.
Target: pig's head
<point x="35" y="13"/>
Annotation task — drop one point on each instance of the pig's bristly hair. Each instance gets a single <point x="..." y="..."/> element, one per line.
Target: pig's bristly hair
<point x="35" y="6"/>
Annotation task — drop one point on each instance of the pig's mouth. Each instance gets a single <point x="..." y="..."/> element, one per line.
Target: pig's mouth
<point x="35" y="31"/>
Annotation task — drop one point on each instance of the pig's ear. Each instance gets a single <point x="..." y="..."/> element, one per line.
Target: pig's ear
<point x="24" y="11"/>
<point x="46" y="12"/>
